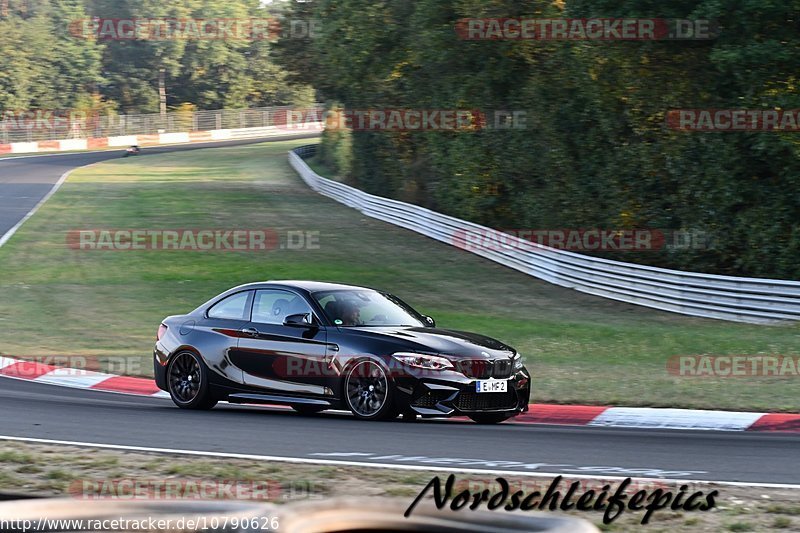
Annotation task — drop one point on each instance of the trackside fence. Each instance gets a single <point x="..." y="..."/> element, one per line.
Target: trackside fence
<point x="751" y="300"/>
<point x="34" y="126"/>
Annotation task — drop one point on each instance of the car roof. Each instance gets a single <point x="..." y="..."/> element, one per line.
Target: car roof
<point x="309" y="286"/>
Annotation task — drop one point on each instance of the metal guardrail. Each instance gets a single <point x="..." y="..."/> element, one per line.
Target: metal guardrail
<point x="44" y="126"/>
<point x="751" y="300"/>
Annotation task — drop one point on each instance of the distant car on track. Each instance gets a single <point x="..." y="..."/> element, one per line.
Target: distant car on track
<point x="132" y="150"/>
<point x="317" y="346"/>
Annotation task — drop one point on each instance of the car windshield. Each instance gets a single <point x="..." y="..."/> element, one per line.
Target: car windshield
<point x="366" y="308"/>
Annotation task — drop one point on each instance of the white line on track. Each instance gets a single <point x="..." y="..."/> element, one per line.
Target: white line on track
<point x="10" y="233"/>
<point x="302" y="460"/>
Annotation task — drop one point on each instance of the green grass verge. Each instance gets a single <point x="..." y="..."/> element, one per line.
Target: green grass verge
<point x="581" y="349"/>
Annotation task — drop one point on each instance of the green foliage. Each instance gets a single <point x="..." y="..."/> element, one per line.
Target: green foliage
<point x="46" y="62"/>
<point x="596" y="151"/>
<point x="41" y="64"/>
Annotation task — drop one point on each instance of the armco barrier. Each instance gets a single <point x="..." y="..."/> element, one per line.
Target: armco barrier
<point x="751" y="300"/>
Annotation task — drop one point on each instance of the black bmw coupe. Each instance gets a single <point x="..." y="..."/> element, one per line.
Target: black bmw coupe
<point x="316" y="346"/>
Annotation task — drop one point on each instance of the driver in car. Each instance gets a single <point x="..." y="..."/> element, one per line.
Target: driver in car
<point x="350" y="314"/>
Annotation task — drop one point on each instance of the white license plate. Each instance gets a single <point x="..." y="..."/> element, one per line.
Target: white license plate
<point x="491" y="385"/>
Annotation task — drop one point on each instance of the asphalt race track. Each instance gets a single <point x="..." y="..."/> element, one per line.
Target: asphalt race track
<point x="49" y="412"/>
<point x="24" y="180"/>
<point x="35" y="410"/>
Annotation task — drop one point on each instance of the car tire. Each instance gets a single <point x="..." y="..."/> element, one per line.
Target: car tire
<point x="308" y="409"/>
<point x="490" y="418"/>
<point x="368" y="392"/>
<point x="187" y="382"/>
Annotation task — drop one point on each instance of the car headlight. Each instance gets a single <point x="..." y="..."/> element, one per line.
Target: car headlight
<point x="518" y="362"/>
<point x="428" y="362"/>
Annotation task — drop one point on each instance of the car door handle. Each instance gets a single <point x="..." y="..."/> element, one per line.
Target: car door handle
<point x="251" y="332"/>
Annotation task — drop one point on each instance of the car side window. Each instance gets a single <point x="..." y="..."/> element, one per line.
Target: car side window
<point x="234" y="307"/>
<point x="272" y="306"/>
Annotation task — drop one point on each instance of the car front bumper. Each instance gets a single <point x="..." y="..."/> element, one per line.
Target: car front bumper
<point x="453" y="394"/>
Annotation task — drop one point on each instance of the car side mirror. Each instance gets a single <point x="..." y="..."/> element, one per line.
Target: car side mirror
<point x="300" y="320"/>
<point x="429" y="321"/>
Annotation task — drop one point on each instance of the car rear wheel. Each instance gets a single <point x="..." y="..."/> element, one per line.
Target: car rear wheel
<point x="490" y="418"/>
<point x="187" y="380"/>
<point x="368" y="391"/>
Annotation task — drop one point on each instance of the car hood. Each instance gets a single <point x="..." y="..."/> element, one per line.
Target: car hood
<point x="458" y="344"/>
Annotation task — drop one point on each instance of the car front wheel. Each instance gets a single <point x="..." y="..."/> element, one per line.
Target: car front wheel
<point x="368" y="391"/>
<point x="187" y="380"/>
